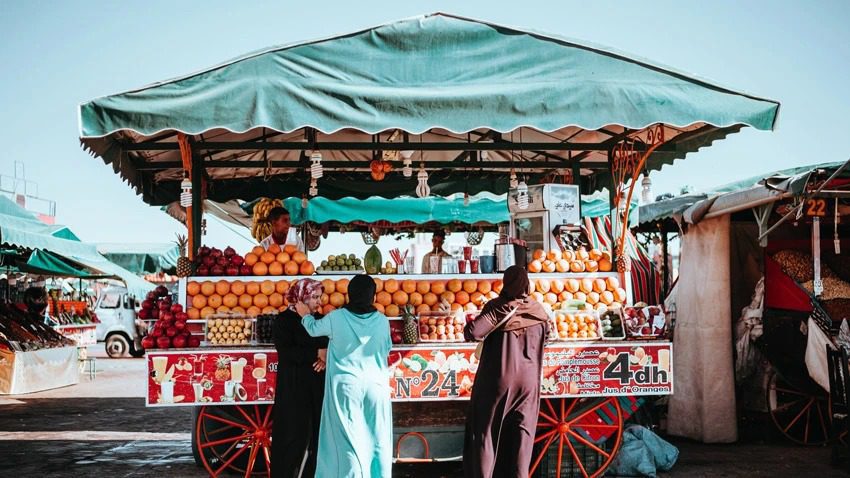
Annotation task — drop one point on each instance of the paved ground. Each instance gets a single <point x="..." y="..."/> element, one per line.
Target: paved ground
<point x="101" y="428"/>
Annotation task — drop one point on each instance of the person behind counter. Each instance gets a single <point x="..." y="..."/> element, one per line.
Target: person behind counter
<point x="282" y="232"/>
<point x="437" y="240"/>
<point x="300" y="385"/>
<point x="502" y="416"/>
<point x="356" y="434"/>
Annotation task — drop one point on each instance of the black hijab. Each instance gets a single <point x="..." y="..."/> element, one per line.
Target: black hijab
<point x="361" y="294"/>
<point x="514" y="283"/>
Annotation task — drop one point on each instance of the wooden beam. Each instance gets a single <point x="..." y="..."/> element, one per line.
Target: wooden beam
<point x="385" y="146"/>
<point x="430" y="165"/>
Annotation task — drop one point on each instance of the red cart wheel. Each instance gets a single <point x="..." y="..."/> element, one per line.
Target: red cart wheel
<point x="801" y="415"/>
<point x="577" y="426"/>
<point x="235" y="438"/>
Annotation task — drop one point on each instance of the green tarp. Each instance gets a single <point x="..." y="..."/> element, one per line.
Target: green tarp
<point x="453" y="79"/>
<point x="141" y="258"/>
<point x="19" y="228"/>
<point x="424" y="72"/>
<point x="44" y="262"/>
<point x="416" y="210"/>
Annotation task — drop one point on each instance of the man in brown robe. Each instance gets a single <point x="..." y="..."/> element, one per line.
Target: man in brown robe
<point x="502" y="416"/>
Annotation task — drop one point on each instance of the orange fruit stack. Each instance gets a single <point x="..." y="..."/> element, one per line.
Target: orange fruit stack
<point x="577" y="261"/>
<point x="278" y="262"/>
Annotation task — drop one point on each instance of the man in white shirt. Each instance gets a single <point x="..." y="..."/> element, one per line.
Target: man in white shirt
<point x="282" y="234"/>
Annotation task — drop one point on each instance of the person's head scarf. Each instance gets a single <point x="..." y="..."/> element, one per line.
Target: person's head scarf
<point x="301" y="290"/>
<point x="514" y="283"/>
<point x="361" y="294"/>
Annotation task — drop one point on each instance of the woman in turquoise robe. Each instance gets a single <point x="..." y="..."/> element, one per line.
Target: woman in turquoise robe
<point x="355" y="436"/>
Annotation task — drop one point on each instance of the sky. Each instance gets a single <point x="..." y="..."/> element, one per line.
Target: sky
<point x="56" y="55"/>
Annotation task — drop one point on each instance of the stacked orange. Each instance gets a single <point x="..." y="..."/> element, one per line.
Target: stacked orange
<point x="599" y="293"/>
<point x="577" y="326"/>
<point x="577" y="261"/>
<point x="277" y="262"/>
<point x="239" y="297"/>
<point x="427" y="295"/>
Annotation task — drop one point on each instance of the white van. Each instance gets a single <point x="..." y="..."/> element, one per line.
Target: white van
<point x="119" y="326"/>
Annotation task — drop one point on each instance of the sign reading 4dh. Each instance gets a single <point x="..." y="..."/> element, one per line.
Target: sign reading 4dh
<point x="608" y="370"/>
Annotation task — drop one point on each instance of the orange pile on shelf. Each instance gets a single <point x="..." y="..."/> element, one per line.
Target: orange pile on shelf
<point x="252" y="298"/>
<point x="580" y="260"/>
<point x="278" y="262"/>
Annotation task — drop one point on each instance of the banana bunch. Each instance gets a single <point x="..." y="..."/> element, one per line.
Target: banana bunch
<point x="261" y="228"/>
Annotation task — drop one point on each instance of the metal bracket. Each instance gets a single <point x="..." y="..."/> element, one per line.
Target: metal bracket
<point x="762" y="214"/>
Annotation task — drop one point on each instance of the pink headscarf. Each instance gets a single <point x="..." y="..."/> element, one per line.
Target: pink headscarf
<point x="301" y="290"/>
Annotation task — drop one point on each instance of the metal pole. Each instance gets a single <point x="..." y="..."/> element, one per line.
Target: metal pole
<point x="665" y="269"/>
<point x="197" y="200"/>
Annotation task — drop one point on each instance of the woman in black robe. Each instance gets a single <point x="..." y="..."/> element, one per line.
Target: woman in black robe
<point x="300" y="386"/>
<point x="502" y="416"/>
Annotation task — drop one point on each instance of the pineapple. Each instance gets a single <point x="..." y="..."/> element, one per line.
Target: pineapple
<point x="222" y="368"/>
<point x="411" y="328"/>
<point x="184" y="265"/>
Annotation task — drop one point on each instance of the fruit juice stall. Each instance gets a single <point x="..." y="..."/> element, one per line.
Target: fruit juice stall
<point x="586" y="116"/>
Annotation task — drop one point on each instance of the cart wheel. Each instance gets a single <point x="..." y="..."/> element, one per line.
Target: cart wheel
<point x="578" y="426"/>
<point x="801" y="415"/>
<point x="235" y="438"/>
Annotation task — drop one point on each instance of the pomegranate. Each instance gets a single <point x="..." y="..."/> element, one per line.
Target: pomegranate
<point x="215" y="253"/>
<point x="155" y="314"/>
<point x="203" y="271"/>
<point x="151" y="296"/>
<point x="203" y="251"/>
<point x="180" y="324"/>
<point x="229" y="251"/>
<point x="147" y="304"/>
<point x="163" y="342"/>
<point x="181" y="316"/>
<point x="231" y="270"/>
<point x="171" y="331"/>
<point x="208" y="261"/>
<point x="156" y="332"/>
<point x="222" y="261"/>
<point x="161" y="291"/>
<point x="194" y="341"/>
<point x="245" y="270"/>
<point x="217" y="270"/>
<point x="166" y="316"/>
<point x="176" y="309"/>
<point x="148" y="342"/>
<point x="144" y="314"/>
<point x="179" y="342"/>
<point x="237" y="261"/>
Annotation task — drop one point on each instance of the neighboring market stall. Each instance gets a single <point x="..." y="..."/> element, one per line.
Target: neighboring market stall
<point x="142" y="259"/>
<point x="314" y="120"/>
<point x="774" y="232"/>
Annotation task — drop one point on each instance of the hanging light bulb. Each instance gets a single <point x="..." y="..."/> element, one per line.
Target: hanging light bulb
<point x="314" y="188"/>
<point x="303" y="202"/>
<point x="186" y="194"/>
<point x="422" y="190"/>
<point x="485" y="154"/>
<point x="514" y="182"/>
<point x="522" y="195"/>
<point x="646" y="189"/>
<point x="407" y="156"/>
<point x="316" y="170"/>
<point x="466" y="199"/>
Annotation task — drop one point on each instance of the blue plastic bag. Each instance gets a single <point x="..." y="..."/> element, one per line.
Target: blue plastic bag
<point x="643" y="453"/>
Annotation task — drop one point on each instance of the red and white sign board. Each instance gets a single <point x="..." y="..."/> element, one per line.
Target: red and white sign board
<point x="417" y="373"/>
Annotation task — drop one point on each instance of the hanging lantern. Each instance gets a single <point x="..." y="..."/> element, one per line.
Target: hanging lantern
<point x="514" y="182"/>
<point x="422" y="190"/>
<point x="522" y="195"/>
<point x="314" y="188"/>
<point x="186" y="194"/>
<point x="316" y="170"/>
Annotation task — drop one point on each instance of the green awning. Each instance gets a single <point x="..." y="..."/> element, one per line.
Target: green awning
<point x="438" y="77"/>
<point x="141" y="258"/>
<point x="400" y="210"/>
<point x="47" y="263"/>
